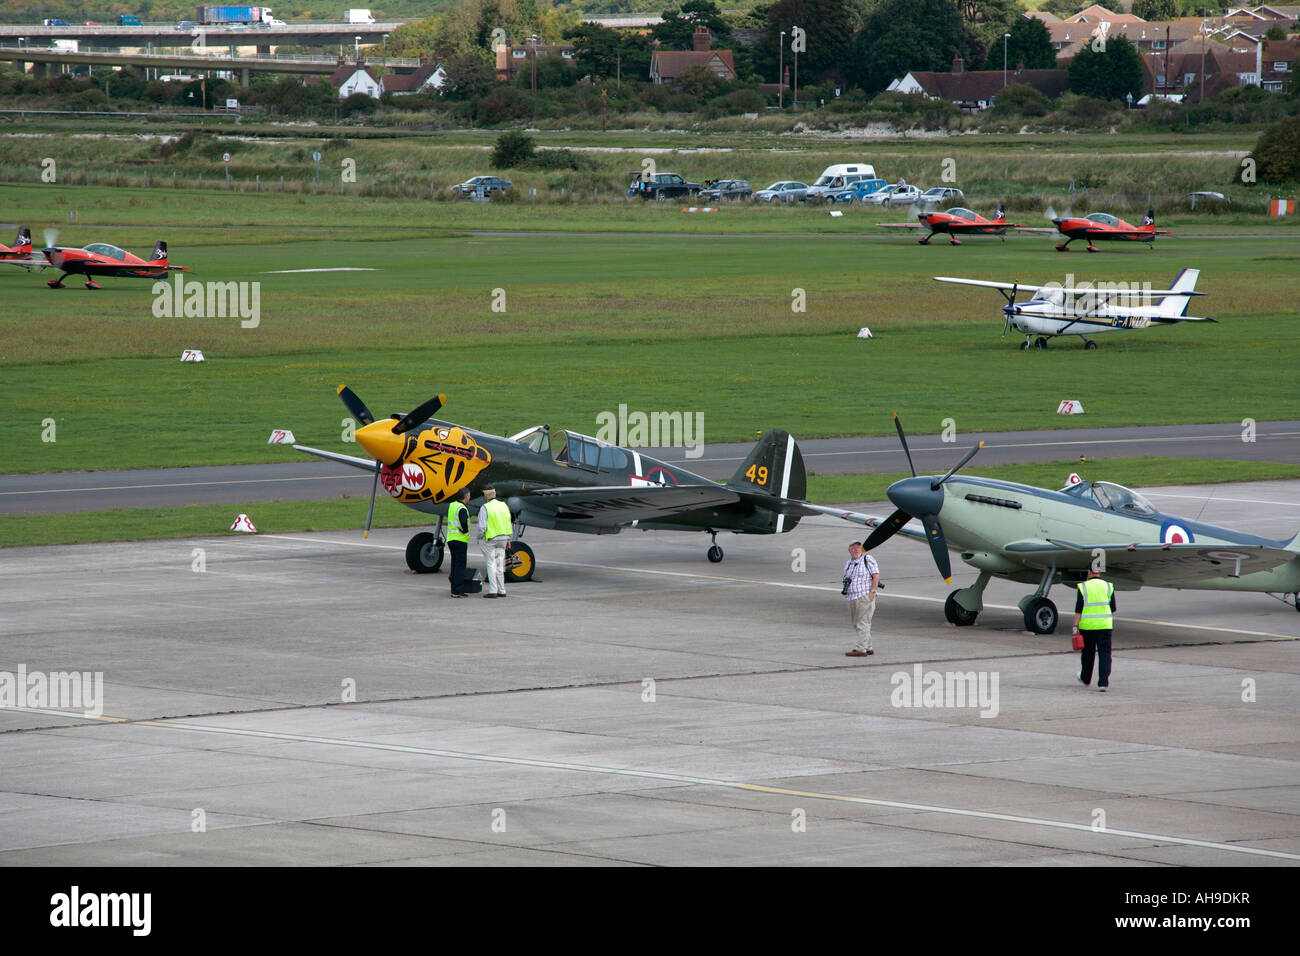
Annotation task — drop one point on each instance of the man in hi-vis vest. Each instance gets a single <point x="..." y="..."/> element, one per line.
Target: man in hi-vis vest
<point x="1094" y="619"/>
<point x="494" y="534"/>
<point x="458" y="541"/>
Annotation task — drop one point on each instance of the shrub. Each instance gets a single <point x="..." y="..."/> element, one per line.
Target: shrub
<point x="512" y="149"/>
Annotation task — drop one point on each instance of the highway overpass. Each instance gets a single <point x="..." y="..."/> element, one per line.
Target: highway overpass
<point x="186" y="62"/>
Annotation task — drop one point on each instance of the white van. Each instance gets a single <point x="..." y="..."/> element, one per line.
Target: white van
<point x="839" y="176"/>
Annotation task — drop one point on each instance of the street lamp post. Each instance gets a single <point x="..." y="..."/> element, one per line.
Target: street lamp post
<point x="1005" y="38"/>
<point x="356" y="47"/>
<point x="794" y="96"/>
<point x="780" y="72"/>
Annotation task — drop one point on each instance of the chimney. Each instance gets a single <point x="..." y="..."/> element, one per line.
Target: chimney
<point x="702" y="40"/>
<point x="957" y="64"/>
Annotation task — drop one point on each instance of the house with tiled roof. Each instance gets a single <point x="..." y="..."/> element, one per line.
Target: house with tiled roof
<point x="978" y="89"/>
<point x="513" y="58"/>
<point x="1099" y="14"/>
<point x="427" y="78"/>
<point x="352" y="78"/>
<point x="668" y="65"/>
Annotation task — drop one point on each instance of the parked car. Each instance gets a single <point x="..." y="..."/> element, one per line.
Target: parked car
<point x="57" y="23"/>
<point x="785" y="191"/>
<point x="855" y="191"/>
<point x="899" y="194"/>
<point x="727" y="189"/>
<point x="941" y="195"/>
<point x="838" y="177"/>
<point x="489" y="185"/>
<point x="185" y="25"/>
<point x="663" y="186"/>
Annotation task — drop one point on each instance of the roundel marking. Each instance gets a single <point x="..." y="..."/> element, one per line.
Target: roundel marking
<point x="1171" y="532"/>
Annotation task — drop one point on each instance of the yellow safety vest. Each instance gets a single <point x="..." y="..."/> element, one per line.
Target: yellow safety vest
<point x="1096" y="614"/>
<point x="498" y="518"/>
<point x="453" y="521"/>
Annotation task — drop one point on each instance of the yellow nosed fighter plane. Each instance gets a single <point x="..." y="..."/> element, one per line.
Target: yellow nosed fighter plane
<point x="565" y="481"/>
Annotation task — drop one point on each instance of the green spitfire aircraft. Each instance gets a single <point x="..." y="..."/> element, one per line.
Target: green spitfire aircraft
<point x="565" y="481"/>
<point x="1037" y="536"/>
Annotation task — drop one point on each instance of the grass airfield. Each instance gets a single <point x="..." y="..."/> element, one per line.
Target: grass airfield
<point x="696" y="323"/>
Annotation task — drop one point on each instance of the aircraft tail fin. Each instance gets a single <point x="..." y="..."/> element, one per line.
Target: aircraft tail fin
<point x="24" y="237"/>
<point x="774" y="467"/>
<point x="1149" y="220"/>
<point x="1175" y="306"/>
<point x="1293" y="544"/>
<point x="1000" y="212"/>
<point x="159" y="252"/>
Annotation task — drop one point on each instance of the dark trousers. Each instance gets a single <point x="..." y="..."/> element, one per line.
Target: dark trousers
<point x="1097" y="642"/>
<point x="458" y="549"/>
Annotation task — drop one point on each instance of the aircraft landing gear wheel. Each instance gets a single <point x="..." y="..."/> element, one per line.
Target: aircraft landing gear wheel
<point x="423" y="553"/>
<point x="1040" y="616"/>
<point x="1090" y="346"/>
<point x="715" y="554"/>
<point x="1040" y="343"/>
<point x="520" y="563"/>
<point x="956" y="614"/>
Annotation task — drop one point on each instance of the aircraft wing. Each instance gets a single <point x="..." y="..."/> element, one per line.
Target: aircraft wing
<point x="365" y="464"/>
<point x="871" y="521"/>
<point x="611" y="505"/>
<point x="27" y="263"/>
<point x="1155" y="565"/>
<point x="990" y="285"/>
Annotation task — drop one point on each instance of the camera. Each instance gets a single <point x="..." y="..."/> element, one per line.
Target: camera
<point x="845" y="589"/>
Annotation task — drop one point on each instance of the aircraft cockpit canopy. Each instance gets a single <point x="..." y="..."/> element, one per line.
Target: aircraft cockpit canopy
<point x="1104" y="218"/>
<point x="1053" y="294"/>
<point x="1120" y="499"/>
<point x="586" y="452"/>
<point x="536" y="439"/>
<point x="104" y="249"/>
<point x="961" y="213"/>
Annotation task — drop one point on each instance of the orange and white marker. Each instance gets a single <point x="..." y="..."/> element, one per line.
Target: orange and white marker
<point x="1070" y="407"/>
<point x="192" y="355"/>
<point x="281" y="436"/>
<point x="244" y="524"/>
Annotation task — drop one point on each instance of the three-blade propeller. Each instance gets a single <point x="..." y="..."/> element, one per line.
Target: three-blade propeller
<point x="919" y="497"/>
<point x="401" y="424"/>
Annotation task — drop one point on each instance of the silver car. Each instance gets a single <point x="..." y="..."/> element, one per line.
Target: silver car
<point x="942" y="194"/>
<point x="786" y="191"/>
<point x="899" y="194"/>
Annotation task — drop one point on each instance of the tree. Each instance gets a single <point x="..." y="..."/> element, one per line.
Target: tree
<point x="601" y="52"/>
<point x="827" y="40"/>
<point x="1062" y="8"/>
<point x="1031" y="45"/>
<point x="513" y="149"/>
<point x="1155" y="9"/>
<point x="469" y="75"/>
<point x="1107" y="68"/>
<point x="1277" y="154"/>
<point x="903" y="36"/>
<point x="678" y="28"/>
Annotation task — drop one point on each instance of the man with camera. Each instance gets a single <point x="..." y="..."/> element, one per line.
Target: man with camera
<point x="861" y="578"/>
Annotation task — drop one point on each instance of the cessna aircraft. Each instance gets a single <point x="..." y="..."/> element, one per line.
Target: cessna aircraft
<point x="959" y="222"/>
<point x="1102" y="226"/>
<point x="1085" y="309"/>
<point x="1034" y="535"/>
<point x="565" y="481"/>
<point x="101" y="259"/>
